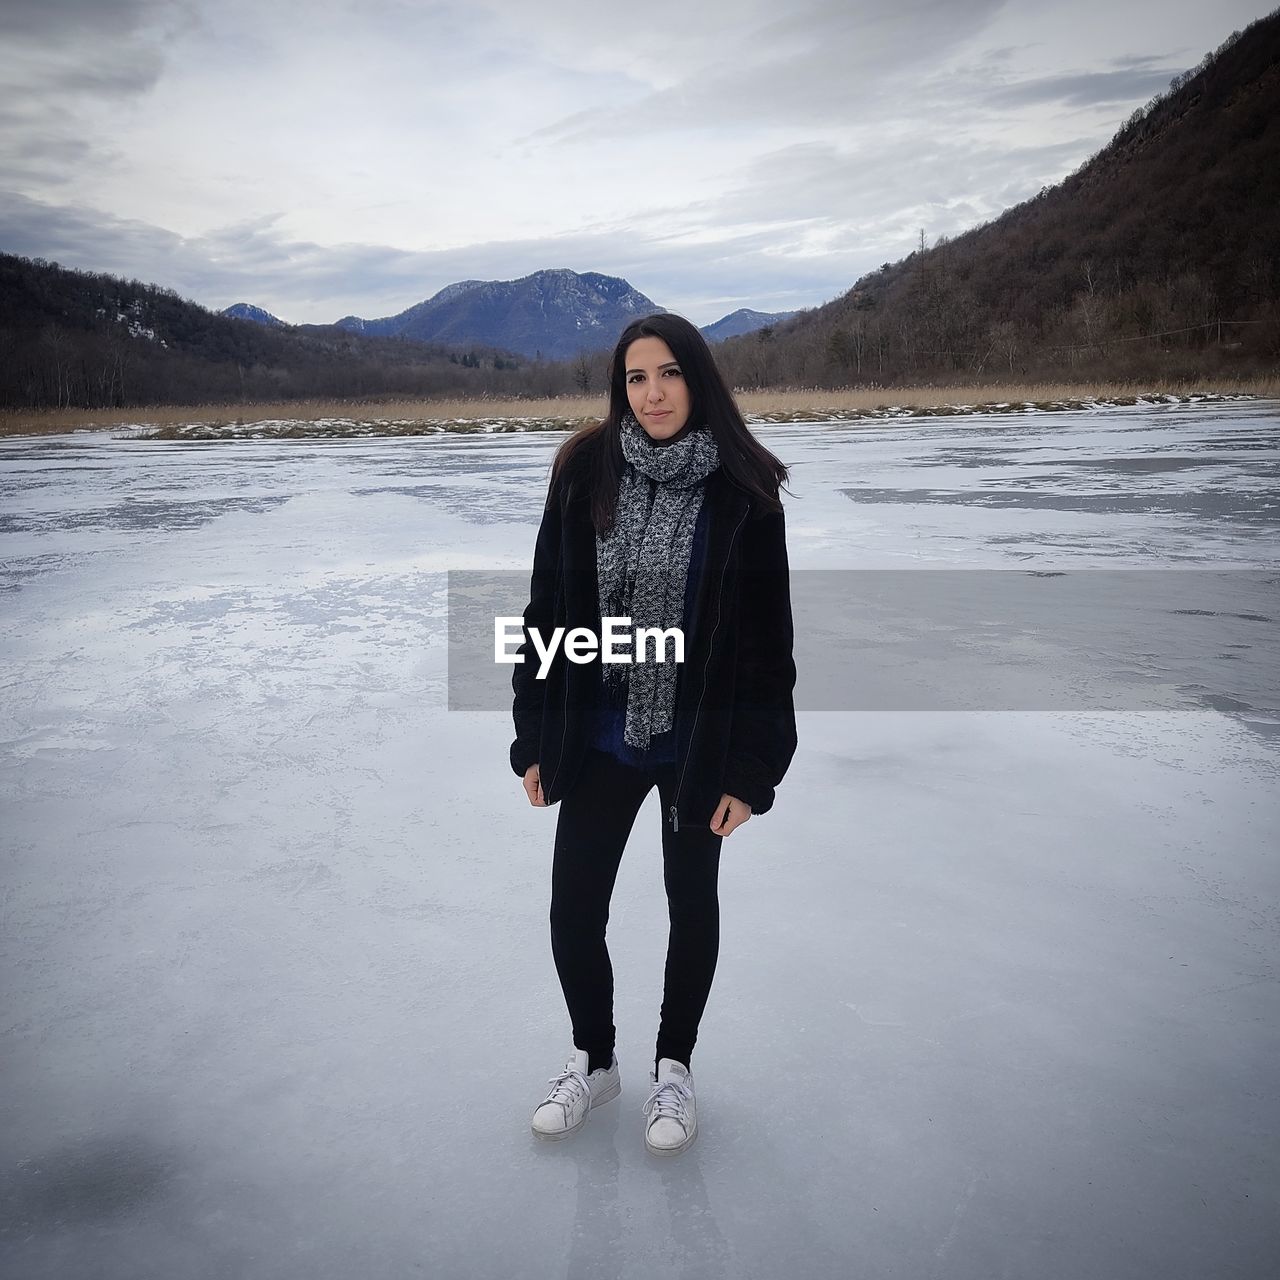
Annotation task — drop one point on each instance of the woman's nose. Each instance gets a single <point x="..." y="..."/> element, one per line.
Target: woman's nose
<point x="655" y="391"/>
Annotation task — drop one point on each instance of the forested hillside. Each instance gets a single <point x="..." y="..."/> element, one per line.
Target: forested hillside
<point x="78" y="339"/>
<point x="1161" y="254"/>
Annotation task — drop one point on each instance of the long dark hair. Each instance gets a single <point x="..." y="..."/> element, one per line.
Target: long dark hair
<point x="598" y="448"/>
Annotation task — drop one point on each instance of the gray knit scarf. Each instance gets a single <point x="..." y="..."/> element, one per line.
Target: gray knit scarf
<point x="642" y="562"/>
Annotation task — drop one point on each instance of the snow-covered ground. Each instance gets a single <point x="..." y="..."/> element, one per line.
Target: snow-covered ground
<point x="998" y="989"/>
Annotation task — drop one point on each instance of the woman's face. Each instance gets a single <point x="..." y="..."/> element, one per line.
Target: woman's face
<point x="656" y="389"/>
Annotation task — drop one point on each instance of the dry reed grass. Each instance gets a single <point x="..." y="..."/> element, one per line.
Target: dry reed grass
<point x="566" y="408"/>
<point x="567" y="411"/>
<point x="869" y="399"/>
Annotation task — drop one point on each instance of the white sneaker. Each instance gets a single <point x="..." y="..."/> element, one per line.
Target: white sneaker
<point x="673" y="1122"/>
<point x="573" y="1094"/>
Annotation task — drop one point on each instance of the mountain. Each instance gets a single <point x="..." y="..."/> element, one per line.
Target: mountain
<point x="744" y="320"/>
<point x="1158" y="258"/>
<point x="551" y="314"/>
<point x="247" y="311"/>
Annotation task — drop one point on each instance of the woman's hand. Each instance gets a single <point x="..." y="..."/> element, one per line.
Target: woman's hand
<point x="730" y="813"/>
<point x="533" y="786"/>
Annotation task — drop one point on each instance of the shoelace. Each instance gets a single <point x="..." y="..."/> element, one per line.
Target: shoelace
<point x="562" y="1090"/>
<point x="667" y="1100"/>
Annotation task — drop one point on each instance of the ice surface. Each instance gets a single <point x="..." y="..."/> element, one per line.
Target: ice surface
<point x="997" y="993"/>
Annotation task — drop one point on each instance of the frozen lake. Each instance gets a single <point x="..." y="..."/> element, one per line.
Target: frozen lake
<point x="997" y="993"/>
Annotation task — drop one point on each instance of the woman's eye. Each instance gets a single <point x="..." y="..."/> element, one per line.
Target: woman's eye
<point x="636" y="377"/>
<point x="674" y="373"/>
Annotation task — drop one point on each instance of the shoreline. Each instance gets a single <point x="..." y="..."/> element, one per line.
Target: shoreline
<point x="333" y="418"/>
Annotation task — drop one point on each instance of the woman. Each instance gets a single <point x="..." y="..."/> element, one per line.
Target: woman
<point x="665" y="514"/>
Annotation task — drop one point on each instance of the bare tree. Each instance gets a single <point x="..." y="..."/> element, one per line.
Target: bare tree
<point x="58" y="345"/>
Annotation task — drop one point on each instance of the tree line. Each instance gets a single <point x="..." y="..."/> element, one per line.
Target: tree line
<point x="76" y="339"/>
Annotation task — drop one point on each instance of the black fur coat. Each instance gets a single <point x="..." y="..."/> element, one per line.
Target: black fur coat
<point x="735" y="717"/>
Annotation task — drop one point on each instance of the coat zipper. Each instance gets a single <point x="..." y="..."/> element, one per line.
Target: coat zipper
<point x="675" y="800"/>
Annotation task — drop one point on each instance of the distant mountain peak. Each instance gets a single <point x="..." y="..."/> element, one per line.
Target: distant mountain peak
<point x="247" y="311"/>
<point x="554" y="312"/>
<point x="744" y="320"/>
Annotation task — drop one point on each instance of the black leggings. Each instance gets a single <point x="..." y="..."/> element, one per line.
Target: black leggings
<point x="596" y="816"/>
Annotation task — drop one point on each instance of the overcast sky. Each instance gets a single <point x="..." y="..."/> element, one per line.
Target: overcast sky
<point x="326" y="157"/>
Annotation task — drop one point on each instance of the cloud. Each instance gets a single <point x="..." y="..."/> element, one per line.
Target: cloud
<point x="823" y="66"/>
<point x="60" y="21"/>
<point x="100" y="48"/>
<point x="64" y="62"/>
<point x="1086" y="88"/>
<point x="83" y="238"/>
<point x="866" y="201"/>
<point x="40" y="148"/>
<point x="657" y="46"/>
